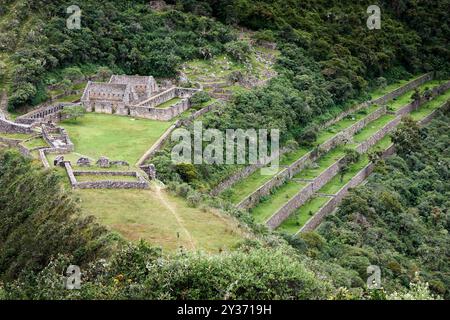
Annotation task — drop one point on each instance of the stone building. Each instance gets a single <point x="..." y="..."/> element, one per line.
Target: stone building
<point x="135" y="96"/>
<point x="116" y="95"/>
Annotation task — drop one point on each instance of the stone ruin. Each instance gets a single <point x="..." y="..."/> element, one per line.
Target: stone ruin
<point x="59" y="161"/>
<point x="84" y="162"/>
<point x="150" y="170"/>
<point x="120" y="163"/>
<point x="103" y="162"/>
<point x="137" y="96"/>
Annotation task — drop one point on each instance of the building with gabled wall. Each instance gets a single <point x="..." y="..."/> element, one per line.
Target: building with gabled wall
<point x="136" y="96"/>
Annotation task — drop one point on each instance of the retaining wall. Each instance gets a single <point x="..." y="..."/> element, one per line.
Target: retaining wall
<point x="298" y="200"/>
<point x="331" y="204"/>
<point x="12" y="127"/>
<point x="299" y="164"/>
<point x="286" y="174"/>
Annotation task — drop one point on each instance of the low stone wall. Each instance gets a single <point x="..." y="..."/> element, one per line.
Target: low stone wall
<point x="158" y="144"/>
<point x="12" y="127"/>
<point x="105" y="173"/>
<point x="286" y="174"/>
<point x="444" y="107"/>
<point x="364" y="146"/>
<point x="300" y="163"/>
<point x="331" y="205"/>
<point x="10" y="142"/>
<point x="111" y="185"/>
<point x="141" y="183"/>
<point x="63" y="137"/>
<point x="303" y="195"/>
<point x="162" y="114"/>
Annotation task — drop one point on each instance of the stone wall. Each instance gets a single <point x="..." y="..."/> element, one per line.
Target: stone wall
<point x="62" y="139"/>
<point x="45" y="114"/>
<point x="382" y="100"/>
<point x="162" y="114"/>
<point x="331" y="204"/>
<point x="141" y="183"/>
<point x="10" y="142"/>
<point x="303" y="195"/>
<point x="329" y="173"/>
<point x="158" y="144"/>
<point x="12" y="127"/>
<point x="287" y="173"/>
<point x="377" y="136"/>
<point x="300" y="163"/>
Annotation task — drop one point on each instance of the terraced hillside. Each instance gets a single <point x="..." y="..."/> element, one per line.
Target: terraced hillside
<point x="328" y="197"/>
<point x="326" y="166"/>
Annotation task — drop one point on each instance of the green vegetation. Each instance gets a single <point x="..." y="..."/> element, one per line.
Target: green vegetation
<point x="298" y="218"/>
<point x="269" y="205"/>
<point x="169" y="103"/>
<point x="399" y="219"/>
<point x="430" y="106"/>
<point x="119" y="138"/>
<point x="35" y="143"/>
<point x="19" y="136"/>
<point x="372" y="128"/>
<point x="243" y="188"/>
<point x="161" y="219"/>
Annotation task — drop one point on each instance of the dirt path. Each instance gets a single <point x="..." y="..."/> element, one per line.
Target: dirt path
<point x="180" y="221"/>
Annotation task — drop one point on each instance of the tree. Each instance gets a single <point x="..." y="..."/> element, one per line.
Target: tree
<point x="73" y="112"/>
<point x="66" y="86"/>
<point x="351" y="156"/>
<point x="407" y="137"/>
<point x="238" y="50"/>
<point x="73" y="74"/>
<point x="104" y="73"/>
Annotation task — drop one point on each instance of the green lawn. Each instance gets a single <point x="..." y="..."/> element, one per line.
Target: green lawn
<point x="430" y="106"/>
<point x="19" y="136"/>
<point x="291" y="157"/>
<point x="268" y="206"/>
<point x="381" y="92"/>
<point x="244" y="187"/>
<point x="297" y="219"/>
<point x="322" y="163"/>
<point x="161" y="219"/>
<point x="372" y="128"/>
<point x="70" y="98"/>
<point x="169" y="103"/>
<point x="343" y="124"/>
<point x="35" y="143"/>
<point x="116" y="137"/>
<point x="405" y="99"/>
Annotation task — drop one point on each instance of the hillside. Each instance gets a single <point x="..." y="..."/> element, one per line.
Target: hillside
<point x="363" y="175"/>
